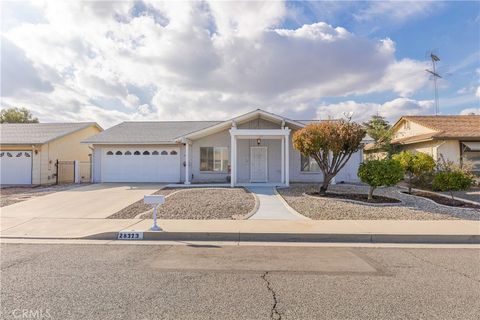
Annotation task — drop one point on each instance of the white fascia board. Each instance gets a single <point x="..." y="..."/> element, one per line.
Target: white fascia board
<point x="240" y="119"/>
<point x="131" y="143"/>
<point x="260" y="132"/>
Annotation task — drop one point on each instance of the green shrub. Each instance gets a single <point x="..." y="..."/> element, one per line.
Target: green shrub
<point x="449" y="181"/>
<point x="415" y="165"/>
<point x="377" y="173"/>
<point x="425" y="180"/>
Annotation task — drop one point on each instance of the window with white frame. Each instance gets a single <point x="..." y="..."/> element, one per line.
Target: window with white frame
<point x="308" y="164"/>
<point x="214" y="159"/>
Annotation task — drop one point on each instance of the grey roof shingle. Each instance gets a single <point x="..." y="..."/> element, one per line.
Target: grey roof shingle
<point x="148" y="132"/>
<point x="37" y="133"/>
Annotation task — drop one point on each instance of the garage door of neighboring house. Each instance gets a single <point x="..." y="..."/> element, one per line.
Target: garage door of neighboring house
<point x="141" y="165"/>
<point x="16" y="167"/>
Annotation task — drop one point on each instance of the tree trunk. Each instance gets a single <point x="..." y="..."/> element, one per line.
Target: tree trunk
<point x="370" y="193"/>
<point x="453" y="199"/>
<point x="410" y="184"/>
<point x="324" y="186"/>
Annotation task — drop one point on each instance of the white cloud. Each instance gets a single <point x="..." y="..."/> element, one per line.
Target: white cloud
<point x="362" y="111"/>
<point x="470" y="111"/>
<point x="192" y="60"/>
<point x="477" y="93"/>
<point x="395" y="11"/>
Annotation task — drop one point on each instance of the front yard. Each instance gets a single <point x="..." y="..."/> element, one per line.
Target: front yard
<point x="411" y="208"/>
<point x="195" y="203"/>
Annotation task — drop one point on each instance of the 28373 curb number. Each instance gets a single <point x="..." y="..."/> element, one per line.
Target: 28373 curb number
<point x="130" y="235"/>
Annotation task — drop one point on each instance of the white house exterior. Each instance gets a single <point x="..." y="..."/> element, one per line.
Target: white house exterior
<point x="250" y="149"/>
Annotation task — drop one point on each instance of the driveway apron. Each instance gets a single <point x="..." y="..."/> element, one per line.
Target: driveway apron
<point x="270" y="206"/>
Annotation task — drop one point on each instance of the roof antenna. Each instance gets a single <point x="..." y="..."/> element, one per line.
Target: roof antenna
<point x="435" y="76"/>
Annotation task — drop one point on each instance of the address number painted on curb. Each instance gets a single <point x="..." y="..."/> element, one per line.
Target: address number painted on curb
<point x="130" y="235"/>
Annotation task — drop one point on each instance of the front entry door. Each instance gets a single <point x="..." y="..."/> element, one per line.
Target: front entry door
<point x="258" y="164"/>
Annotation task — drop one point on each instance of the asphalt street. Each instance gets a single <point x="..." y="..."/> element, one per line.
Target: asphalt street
<point x="64" y="281"/>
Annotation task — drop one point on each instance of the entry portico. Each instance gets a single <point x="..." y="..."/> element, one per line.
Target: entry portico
<point x="257" y="135"/>
<point x="258" y="145"/>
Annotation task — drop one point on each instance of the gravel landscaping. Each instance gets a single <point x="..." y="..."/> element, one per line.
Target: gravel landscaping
<point x="411" y="208"/>
<point x="195" y="203"/>
<point x="11" y="195"/>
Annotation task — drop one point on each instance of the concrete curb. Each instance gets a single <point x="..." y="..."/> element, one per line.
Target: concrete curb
<point x="300" y="237"/>
<point x="255" y="206"/>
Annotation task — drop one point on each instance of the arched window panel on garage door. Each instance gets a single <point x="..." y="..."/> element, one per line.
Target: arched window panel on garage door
<point x="118" y="153"/>
<point x="128" y="153"/>
<point x="164" y="153"/>
<point x="145" y="165"/>
<point x="109" y="153"/>
<point x="173" y="153"/>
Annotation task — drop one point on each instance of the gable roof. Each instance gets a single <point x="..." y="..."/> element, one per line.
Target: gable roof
<point x="445" y="127"/>
<point x="38" y="133"/>
<point x="255" y="114"/>
<point x="154" y="132"/>
<point x="148" y="132"/>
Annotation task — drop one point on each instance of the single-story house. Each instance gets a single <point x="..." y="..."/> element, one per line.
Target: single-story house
<point x="29" y="151"/>
<point x="252" y="148"/>
<point x="454" y="137"/>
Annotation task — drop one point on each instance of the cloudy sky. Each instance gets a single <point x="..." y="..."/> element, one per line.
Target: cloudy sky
<point x="110" y="61"/>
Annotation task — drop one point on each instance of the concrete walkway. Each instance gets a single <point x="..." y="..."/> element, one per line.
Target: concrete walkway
<point x="271" y="206"/>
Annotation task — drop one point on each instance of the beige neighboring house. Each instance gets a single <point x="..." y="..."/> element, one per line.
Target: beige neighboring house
<point x="455" y="137"/>
<point x="29" y="151"/>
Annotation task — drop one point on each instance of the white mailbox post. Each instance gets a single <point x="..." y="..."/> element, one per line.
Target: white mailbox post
<point x="155" y="201"/>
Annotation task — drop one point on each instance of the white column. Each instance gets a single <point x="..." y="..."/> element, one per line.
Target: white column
<point x="233" y="157"/>
<point x="187" y="163"/>
<point x="287" y="160"/>
<point x="283" y="160"/>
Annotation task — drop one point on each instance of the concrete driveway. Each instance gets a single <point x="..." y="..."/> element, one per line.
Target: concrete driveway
<point x="92" y="201"/>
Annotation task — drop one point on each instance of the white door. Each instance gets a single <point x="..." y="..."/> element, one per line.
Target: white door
<point x="139" y="164"/>
<point x="16" y="167"/>
<point x="258" y="164"/>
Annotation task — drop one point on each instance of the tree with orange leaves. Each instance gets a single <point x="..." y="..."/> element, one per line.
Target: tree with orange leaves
<point x="330" y="144"/>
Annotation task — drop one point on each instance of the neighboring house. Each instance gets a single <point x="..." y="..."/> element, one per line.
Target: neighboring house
<point x="253" y="148"/>
<point x="374" y="151"/>
<point x="455" y="137"/>
<point x="29" y="151"/>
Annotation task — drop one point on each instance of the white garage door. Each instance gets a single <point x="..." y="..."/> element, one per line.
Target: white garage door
<point x="141" y="164"/>
<point x="16" y="167"/>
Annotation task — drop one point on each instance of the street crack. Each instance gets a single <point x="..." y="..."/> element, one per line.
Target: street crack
<point x="441" y="266"/>
<point x="274" y="313"/>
